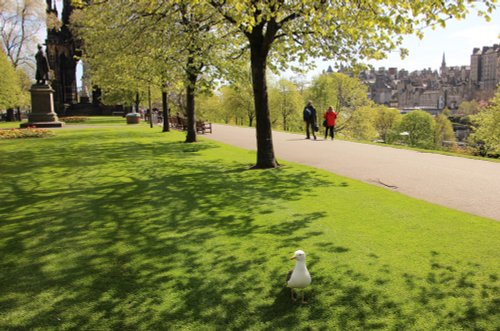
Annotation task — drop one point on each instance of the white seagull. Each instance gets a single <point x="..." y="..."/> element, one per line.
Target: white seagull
<point x="299" y="277"/>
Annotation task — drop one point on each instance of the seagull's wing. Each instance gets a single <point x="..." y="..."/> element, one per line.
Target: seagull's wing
<point x="289" y="275"/>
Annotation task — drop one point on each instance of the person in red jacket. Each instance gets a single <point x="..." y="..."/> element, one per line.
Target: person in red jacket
<point x="330" y="119"/>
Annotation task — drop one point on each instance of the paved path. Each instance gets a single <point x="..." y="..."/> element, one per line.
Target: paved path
<point x="468" y="185"/>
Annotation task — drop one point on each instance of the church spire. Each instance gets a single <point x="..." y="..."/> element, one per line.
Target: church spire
<point x="443" y="66"/>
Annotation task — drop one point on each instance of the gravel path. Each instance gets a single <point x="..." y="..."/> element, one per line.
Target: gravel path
<point x="468" y="185"/>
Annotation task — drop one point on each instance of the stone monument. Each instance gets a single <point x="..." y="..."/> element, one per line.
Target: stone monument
<point x="42" y="97"/>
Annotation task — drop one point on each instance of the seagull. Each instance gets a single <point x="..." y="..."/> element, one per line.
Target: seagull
<point x="299" y="277"/>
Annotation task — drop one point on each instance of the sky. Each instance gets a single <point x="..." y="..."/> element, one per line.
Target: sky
<point x="456" y="41"/>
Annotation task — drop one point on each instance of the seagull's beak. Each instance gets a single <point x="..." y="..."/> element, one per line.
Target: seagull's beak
<point x="293" y="257"/>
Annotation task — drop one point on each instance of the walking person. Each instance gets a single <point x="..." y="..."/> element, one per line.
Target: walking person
<point x="330" y="120"/>
<point x="310" y="119"/>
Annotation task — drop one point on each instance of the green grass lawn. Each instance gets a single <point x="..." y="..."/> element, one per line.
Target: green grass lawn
<point x="91" y="120"/>
<point x="9" y="125"/>
<point x="128" y="228"/>
<point x="101" y="120"/>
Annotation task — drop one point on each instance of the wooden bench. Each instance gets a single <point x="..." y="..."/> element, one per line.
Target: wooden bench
<point x="203" y="127"/>
<point x="176" y="122"/>
<point x="180" y="123"/>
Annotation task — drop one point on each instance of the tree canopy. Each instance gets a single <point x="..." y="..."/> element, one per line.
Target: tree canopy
<point x="420" y="128"/>
<point x="158" y="42"/>
<point x="20" y="21"/>
<point x="443" y="131"/>
<point x="344" y="93"/>
<point x="10" y="84"/>
<point x="387" y="123"/>
<point x="286" y="103"/>
<point x="487" y="128"/>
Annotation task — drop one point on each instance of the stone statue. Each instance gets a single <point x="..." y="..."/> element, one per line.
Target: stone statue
<point x="42" y="67"/>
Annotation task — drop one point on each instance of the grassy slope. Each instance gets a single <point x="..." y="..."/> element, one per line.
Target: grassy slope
<point x="129" y="228"/>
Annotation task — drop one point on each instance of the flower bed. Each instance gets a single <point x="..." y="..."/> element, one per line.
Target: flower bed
<point x="30" y="132"/>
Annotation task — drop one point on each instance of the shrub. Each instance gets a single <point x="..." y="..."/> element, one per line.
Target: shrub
<point x="75" y="119"/>
<point x="30" y="132"/>
<point x="361" y="125"/>
<point x="419" y="126"/>
<point x="387" y="123"/>
<point x="486" y="125"/>
<point x="443" y="132"/>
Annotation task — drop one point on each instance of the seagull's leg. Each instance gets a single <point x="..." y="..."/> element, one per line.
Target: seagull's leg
<point x="291" y="291"/>
<point x="303" y="301"/>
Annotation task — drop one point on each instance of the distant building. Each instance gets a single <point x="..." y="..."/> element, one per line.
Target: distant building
<point x="431" y="90"/>
<point x="485" y="71"/>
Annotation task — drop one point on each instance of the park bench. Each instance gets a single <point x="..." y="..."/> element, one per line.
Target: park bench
<point x="176" y="122"/>
<point x="180" y="123"/>
<point x="203" y="127"/>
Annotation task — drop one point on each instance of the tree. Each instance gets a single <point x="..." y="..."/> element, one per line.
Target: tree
<point x="322" y="91"/>
<point x="443" y="131"/>
<point x="236" y="104"/>
<point x="114" y="56"/>
<point x="152" y="40"/>
<point x="279" y="32"/>
<point x="10" y="84"/>
<point x="469" y="108"/>
<point x="226" y="112"/>
<point x="387" y="121"/>
<point x="20" y="21"/>
<point x="287" y="102"/>
<point x="486" y="126"/>
<point x="419" y="125"/>
<point x="208" y="107"/>
<point x="344" y="93"/>
<point x="242" y="98"/>
<point x="362" y="124"/>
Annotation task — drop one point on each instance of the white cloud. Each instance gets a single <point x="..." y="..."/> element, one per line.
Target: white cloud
<point x="478" y="36"/>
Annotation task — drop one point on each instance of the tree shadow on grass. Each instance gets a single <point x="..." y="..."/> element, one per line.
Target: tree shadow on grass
<point x="448" y="297"/>
<point x="457" y="293"/>
<point x="160" y="241"/>
<point x="139" y="248"/>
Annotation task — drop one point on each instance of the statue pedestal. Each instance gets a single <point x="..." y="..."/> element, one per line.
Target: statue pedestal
<point x="42" y="108"/>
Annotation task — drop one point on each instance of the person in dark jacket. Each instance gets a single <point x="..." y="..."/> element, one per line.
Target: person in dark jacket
<point x="310" y="119"/>
<point x="330" y="120"/>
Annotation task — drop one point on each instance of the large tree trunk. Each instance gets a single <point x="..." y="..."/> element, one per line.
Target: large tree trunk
<point x="137" y="102"/>
<point x="265" y="150"/>
<point x="10" y="115"/>
<point x="192" y="77"/>
<point x="166" y="124"/>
